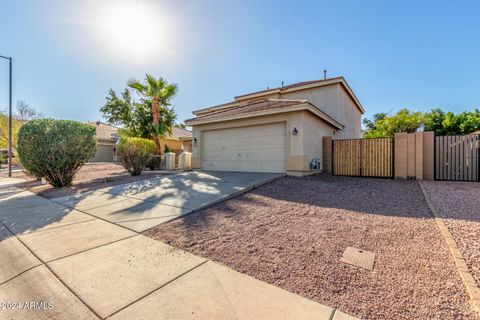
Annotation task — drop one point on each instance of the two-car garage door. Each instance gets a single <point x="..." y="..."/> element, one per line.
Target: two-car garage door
<point x="259" y="148"/>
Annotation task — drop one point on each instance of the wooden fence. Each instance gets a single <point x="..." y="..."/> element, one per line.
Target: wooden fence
<point x="457" y="158"/>
<point x="363" y="157"/>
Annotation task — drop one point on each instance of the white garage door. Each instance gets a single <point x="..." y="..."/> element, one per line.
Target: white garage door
<point x="257" y="149"/>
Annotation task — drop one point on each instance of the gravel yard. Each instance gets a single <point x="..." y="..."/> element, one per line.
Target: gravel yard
<point x="459" y="205"/>
<point x="292" y="233"/>
<point x="90" y="177"/>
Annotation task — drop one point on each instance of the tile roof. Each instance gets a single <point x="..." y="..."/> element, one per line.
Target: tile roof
<point x="181" y="133"/>
<point x="109" y="132"/>
<point x="293" y="85"/>
<point x="105" y="131"/>
<point x="266" y="104"/>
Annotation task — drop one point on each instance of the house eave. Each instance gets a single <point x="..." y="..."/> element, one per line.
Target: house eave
<point x="298" y="107"/>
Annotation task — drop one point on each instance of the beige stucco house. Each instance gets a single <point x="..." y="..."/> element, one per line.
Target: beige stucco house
<point x="107" y="137"/>
<point x="275" y="130"/>
<point x="180" y="140"/>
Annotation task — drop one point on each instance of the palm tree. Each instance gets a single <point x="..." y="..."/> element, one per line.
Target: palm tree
<point x="161" y="93"/>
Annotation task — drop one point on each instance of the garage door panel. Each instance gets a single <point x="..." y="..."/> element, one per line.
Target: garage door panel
<point x="235" y="165"/>
<point x="265" y="155"/>
<point x="257" y="148"/>
<point x="245" y="143"/>
<point x="104" y="153"/>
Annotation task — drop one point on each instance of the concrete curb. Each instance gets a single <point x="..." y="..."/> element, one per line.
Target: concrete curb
<point x="468" y="280"/>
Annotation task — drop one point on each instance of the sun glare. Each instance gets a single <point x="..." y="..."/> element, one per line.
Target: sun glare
<point x="132" y="29"/>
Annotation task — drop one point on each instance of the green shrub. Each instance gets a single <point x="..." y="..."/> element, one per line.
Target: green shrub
<point x="55" y="149"/>
<point x="135" y="153"/>
<point x="168" y="149"/>
<point x="155" y="162"/>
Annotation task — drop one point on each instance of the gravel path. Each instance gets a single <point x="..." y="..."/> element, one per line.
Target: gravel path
<point x="459" y="205"/>
<point x="292" y="232"/>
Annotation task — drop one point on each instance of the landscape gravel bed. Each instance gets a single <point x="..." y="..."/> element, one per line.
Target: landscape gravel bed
<point x="292" y="232"/>
<point x="91" y="176"/>
<point x="458" y="203"/>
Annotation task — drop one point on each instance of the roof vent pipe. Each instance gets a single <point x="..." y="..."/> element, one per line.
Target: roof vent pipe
<point x="324" y="74"/>
<point x="282" y="84"/>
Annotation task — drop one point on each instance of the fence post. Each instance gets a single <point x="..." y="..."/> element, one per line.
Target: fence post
<point x="327" y="147"/>
<point x="400" y="154"/>
<point x="428" y="155"/>
<point x="170" y="160"/>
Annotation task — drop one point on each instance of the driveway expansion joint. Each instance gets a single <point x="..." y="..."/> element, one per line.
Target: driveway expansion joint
<point x="96" y="247"/>
<point x="53" y="273"/>
<point x="468" y="281"/>
<point x="156" y="289"/>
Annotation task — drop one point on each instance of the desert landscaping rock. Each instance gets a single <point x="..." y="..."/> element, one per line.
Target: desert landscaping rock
<point x="458" y="203"/>
<point x="90" y="177"/>
<point x="292" y="232"/>
<point x="90" y="200"/>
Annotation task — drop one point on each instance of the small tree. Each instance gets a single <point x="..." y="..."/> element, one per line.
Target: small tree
<point x="23" y="114"/>
<point x="135" y="117"/>
<point x="385" y="125"/>
<point x="135" y="153"/>
<point x="55" y="149"/>
<point x="160" y="92"/>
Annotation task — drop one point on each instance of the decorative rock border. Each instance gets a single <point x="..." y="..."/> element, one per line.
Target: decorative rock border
<point x="469" y="282"/>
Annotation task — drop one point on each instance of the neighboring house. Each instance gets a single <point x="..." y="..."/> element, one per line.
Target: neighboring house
<point x="107" y="138"/>
<point x="180" y="140"/>
<point x="275" y="130"/>
<point x="476" y="132"/>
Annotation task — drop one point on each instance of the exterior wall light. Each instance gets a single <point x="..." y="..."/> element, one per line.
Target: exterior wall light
<point x="194" y="140"/>
<point x="295" y="131"/>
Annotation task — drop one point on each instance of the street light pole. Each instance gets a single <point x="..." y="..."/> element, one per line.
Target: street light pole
<point x="9" y="115"/>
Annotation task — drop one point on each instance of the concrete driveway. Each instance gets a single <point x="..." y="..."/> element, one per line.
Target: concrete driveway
<point x="61" y="263"/>
<point x="142" y="205"/>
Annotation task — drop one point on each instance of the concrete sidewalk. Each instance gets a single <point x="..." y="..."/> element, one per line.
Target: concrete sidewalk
<point x="62" y="263"/>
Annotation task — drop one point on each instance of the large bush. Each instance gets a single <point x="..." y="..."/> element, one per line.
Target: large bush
<point x="135" y="153"/>
<point x="55" y="149"/>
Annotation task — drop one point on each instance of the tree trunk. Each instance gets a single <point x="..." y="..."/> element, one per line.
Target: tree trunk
<point x="155" y="112"/>
<point x="158" y="146"/>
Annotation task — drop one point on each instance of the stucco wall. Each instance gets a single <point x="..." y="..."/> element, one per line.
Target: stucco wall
<point x="187" y="145"/>
<point x="314" y="130"/>
<point x="349" y="115"/>
<point x="175" y="145"/>
<point x="333" y="100"/>
<point x="414" y="155"/>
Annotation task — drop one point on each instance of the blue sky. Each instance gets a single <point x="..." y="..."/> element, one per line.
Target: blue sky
<point x="416" y="54"/>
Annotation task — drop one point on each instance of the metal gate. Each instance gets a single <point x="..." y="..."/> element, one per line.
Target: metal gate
<point x="363" y="157"/>
<point x="457" y="158"/>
